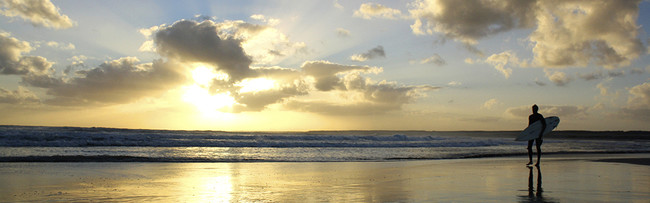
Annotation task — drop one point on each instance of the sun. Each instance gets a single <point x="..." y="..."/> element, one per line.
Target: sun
<point x="201" y="98"/>
<point x="198" y="94"/>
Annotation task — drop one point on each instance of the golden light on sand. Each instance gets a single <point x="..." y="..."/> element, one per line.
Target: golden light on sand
<point x="216" y="189"/>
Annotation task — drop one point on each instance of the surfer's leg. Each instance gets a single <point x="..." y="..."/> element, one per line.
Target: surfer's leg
<point x="530" y="151"/>
<point x="538" y="144"/>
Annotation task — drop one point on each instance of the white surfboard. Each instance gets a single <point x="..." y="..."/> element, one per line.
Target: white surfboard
<point x="533" y="130"/>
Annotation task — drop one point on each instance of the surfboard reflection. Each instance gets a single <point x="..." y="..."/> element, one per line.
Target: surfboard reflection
<point x="535" y="196"/>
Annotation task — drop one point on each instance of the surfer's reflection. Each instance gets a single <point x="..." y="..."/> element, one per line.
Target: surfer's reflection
<point x="535" y="196"/>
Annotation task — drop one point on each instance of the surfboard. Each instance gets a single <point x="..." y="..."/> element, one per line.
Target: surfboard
<point x="532" y="131"/>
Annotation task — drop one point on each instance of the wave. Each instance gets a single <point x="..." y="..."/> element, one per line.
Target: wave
<point x="123" y="158"/>
<point x="90" y="137"/>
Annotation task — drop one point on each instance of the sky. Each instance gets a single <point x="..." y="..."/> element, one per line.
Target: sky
<point x="325" y="65"/>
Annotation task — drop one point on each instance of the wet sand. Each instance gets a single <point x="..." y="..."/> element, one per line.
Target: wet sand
<point x="563" y="178"/>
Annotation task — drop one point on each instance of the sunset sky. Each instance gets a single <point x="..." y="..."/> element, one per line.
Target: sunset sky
<point x="325" y="65"/>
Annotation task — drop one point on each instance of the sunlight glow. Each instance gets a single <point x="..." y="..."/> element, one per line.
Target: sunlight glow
<point x="204" y="101"/>
<point x="199" y="95"/>
<point x="203" y="75"/>
<point x="255" y="85"/>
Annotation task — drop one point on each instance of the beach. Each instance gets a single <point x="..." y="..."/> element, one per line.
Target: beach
<point x="564" y="178"/>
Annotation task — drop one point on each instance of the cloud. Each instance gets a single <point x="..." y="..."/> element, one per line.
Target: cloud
<point x="597" y="75"/>
<point x="364" y="96"/>
<point x="639" y="96"/>
<point x="373" y="10"/>
<point x="591" y="76"/>
<point x="342" y="32"/>
<point x="567" y="33"/>
<point x="287" y="83"/>
<point x="338" y="5"/>
<point x="539" y="83"/>
<point x="327" y="88"/>
<point x="326" y="73"/>
<point x="190" y="41"/>
<point x="501" y="60"/>
<point x="558" y="77"/>
<point x="12" y="61"/>
<point x="490" y="103"/>
<point x="264" y="44"/>
<point x="228" y="46"/>
<point x="560" y="111"/>
<point x="454" y="84"/>
<point x="222" y="47"/>
<point x="119" y="81"/>
<point x="61" y="46"/>
<point x="574" y="33"/>
<point x="435" y="59"/>
<point x="615" y="73"/>
<point x="638" y="103"/>
<point x="19" y="96"/>
<point x="469" y="21"/>
<point x="328" y="108"/>
<point x="370" y="54"/>
<point x="637" y="71"/>
<point x="340" y="89"/>
<point x="264" y="19"/>
<point x="374" y="98"/>
<point x="38" y="12"/>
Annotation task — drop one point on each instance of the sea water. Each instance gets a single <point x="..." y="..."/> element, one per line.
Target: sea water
<point x="75" y="144"/>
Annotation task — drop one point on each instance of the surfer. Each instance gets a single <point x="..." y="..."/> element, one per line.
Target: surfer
<point x="538" y="141"/>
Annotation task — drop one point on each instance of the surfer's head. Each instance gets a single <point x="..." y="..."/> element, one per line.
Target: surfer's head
<point x="535" y="108"/>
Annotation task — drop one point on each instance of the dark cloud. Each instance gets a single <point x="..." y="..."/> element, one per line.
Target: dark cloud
<point x="637" y="71"/>
<point x="19" y="96"/>
<point x="186" y="44"/>
<point x="118" y="81"/>
<point x="38" y="12"/>
<point x="371" y="97"/>
<point x="615" y="73"/>
<point x="468" y="21"/>
<point x="567" y="33"/>
<point x="325" y="73"/>
<point x="257" y="101"/>
<point x="370" y="54"/>
<point x="289" y="83"/>
<point x="539" y="83"/>
<point x="191" y="41"/>
<point x="12" y="61"/>
<point x="603" y="32"/>
<point x="591" y="76"/>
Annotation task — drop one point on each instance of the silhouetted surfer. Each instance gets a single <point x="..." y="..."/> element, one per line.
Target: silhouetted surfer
<point x="538" y="141"/>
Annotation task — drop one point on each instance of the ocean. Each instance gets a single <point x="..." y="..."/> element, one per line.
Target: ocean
<point x="77" y="144"/>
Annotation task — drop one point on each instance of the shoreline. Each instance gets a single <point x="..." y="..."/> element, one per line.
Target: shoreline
<point x="566" y="178"/>
<point x="128" y="159"/>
